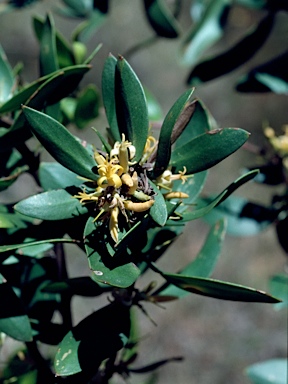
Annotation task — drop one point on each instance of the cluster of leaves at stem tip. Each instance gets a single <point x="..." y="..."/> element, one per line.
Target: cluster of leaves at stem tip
<point x="122" y="202"/>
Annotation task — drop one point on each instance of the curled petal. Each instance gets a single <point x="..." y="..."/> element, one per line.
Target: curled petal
<point x="102" y="182"/>
<point x="133" y="188"/>
<point x="114" y="181"/>
<point x="138" y="207"/>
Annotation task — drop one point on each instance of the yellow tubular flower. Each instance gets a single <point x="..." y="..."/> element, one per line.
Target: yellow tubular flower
<point x="113" y="223"/>
<point x="138" y="207"/>
<point x="175" y="195"/>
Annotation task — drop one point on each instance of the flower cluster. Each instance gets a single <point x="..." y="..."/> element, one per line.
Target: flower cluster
<point x="123" y="186"/>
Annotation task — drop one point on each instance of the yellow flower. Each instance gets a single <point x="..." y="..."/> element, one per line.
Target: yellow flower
<point x="166" y="179"/>
<point x="109" y="172"/>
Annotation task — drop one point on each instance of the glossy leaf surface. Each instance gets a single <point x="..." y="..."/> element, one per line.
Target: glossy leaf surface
<point x="131" y="107"/>
<point x="52" y="205"/>
<point x="219" y="289"/>
<point x="59" y="142"/>
<point x="217" y="144"/>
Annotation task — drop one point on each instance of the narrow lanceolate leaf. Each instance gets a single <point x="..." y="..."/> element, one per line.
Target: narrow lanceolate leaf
<point x="48" y="52"/>
<point x="269" y="77"/>
<point x="206" y="33"/>
<point x="168" y="128"/>
<point x="199" y="212"/>
<point x="59" y="142"/>
<point x="219" y="289"/>
<point x="52" y="205"/>
<point x="64" y="52"/>
<point x="161" y="19"/>
<point x="6" y="78"/>
<point x="12" y="247"/>
<point x="208" y="149"/>
<point x="87" y="106"/>
<point x="234" y="57"/>
<point x="108" y="95"/>
<point x="205" y="262"/>
<point x="131" y="107"/>
<point x="13" y="319"/>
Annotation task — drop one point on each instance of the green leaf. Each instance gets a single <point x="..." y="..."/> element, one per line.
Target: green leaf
<point x="59" y="142"/>
<point x="268" y="77"/>
<point x="6" y="78"/>
<point x="97" y="337"/>
<point x="131" y="107"/>
<point x="206" y="32"/>
<point x="154" y="109"/>
<point x="108" y="95"/>
<point x="237" y="224"/>
<point x="115" y="271"/>
<point x="161" y="19"/>
<point x="199" y="123"/>
<point x="199" y="212"/>
<point x="205" y="261"/>
<point x="54" y="176"/>
<point x="52" y="205"/>
<point x="82" y="286"/>
<point x="12" y="247"/>
<point x="87" y="107"/>
<point x="64" y="52"/>
<point x="278" y="286"/>
<point x="13" y="319"/>
<point x="158" y="211"/>
<point x="236" y="56"/>
<point x="208" y="149"/>
<point x="48" y="52"/>
<point x="219" y="289"/>
<point x="272" y="371"/>
<point x="85" y="30"/>
<point x="165" y="138"/>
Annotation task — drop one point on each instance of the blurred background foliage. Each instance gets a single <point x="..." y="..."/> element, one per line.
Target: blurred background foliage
<point x="217" y="340"/>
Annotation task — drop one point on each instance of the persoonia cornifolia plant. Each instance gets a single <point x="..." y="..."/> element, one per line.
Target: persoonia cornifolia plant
<point x="121" y="201"/>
